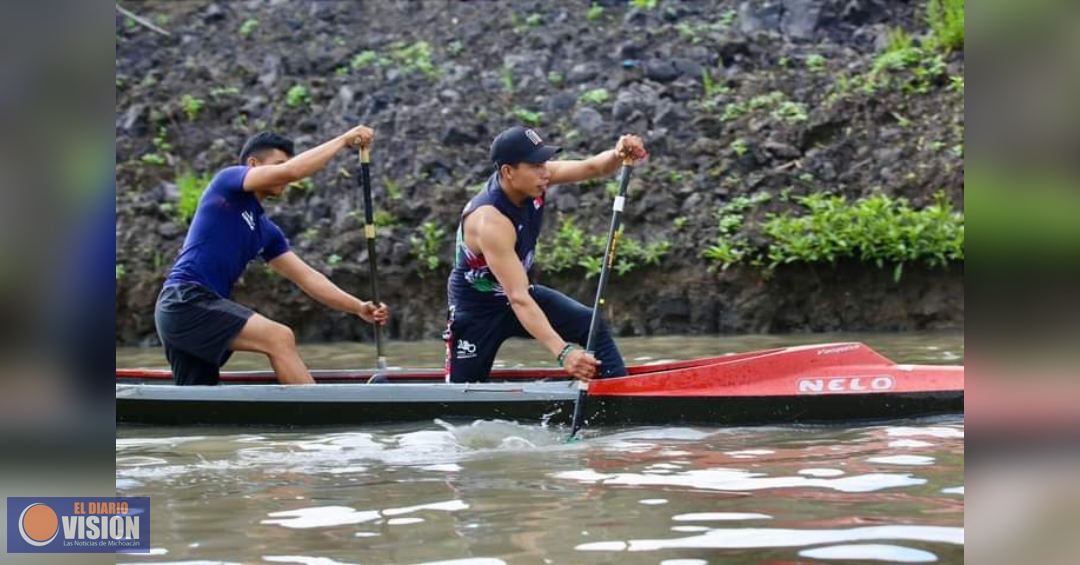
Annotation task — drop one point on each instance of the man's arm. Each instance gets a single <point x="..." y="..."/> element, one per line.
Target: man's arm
<point x="496" y="242"/>
<point x="305" y="164"/>
<point x="599" y="165"/>
<point x="317" y="286"/>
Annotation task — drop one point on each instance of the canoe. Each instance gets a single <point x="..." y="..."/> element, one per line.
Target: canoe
<point x="821" y="383"/>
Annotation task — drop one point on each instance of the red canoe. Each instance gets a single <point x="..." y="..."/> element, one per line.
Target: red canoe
<point x="803" y="384"/>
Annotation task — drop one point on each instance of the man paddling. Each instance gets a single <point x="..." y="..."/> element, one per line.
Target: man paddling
<point x="490" y="296"/>
<point x="198" y="324"/>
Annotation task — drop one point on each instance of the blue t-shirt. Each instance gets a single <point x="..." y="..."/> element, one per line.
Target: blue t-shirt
<point x="229" y="230"/>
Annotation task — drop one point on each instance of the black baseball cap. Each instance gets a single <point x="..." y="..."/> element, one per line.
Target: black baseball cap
<point x="520" y="145"/>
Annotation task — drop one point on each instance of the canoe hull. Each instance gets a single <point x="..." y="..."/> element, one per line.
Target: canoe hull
<point x="806" y="384"/>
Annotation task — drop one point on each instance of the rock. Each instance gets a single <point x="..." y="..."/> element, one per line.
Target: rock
<point x="134" y="121"/>
<point x="669" y="115"/>
<point x="637" y="97"/>
<point x="170" y="230"/>
<point x="630" y="50"/>
<point x="582" y="72"/>
<point x="213" y="13"/>
<point x="271" y="69"/>
<point x="454" y="135"/>
<point x="757" y="17"/>
<point x="801" y="18"/>
<point x="781" y="150"/>
<point x="561" y="102"/>
<point x="587" y="120"/>
<point x="661" y="70"/>
<point x="687" y="67"/>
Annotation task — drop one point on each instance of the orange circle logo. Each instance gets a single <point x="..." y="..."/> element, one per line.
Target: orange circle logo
<point x="38" y="524"/>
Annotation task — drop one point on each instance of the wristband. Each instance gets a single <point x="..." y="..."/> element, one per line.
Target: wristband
<point x="565" y="353"/>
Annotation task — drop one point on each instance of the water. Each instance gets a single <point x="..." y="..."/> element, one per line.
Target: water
<point x="499" y="492"/>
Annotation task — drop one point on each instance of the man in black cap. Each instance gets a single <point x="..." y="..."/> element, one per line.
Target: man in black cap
<point x="489" y="292"/>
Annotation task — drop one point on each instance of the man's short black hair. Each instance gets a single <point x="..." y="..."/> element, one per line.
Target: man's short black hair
<point x="262" y="141"/>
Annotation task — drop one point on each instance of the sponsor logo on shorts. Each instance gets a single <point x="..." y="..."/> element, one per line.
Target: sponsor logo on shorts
<point x="466" y="349"/>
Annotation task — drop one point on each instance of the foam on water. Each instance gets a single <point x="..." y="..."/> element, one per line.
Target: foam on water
<point x="748" y="538"/>
<point x="740" y="480"/>
<point x="871" y="552"/>
<point x="903" y="460"/>
<point x="708" y="516"/>
<point x="303" y="559"/>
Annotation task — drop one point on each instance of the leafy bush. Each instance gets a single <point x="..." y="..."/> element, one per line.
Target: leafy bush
<point x="572" y="248"/>
<point x="297" y="95"/>
<point x="191" y="187"/>
<point x="946" y="18"/>
<point x="878" y="229"/>
<point x="191" y="106"/>
<point x="426" y="245"/>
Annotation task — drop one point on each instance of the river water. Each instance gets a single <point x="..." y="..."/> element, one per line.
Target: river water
<point x="497" y="492"/>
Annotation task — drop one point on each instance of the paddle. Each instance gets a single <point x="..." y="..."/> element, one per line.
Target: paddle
<point x="605" y="269"/>
<point x="369" y="232"/>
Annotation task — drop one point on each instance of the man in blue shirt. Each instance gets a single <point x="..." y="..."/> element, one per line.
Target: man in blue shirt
<point x="198" y="324"/>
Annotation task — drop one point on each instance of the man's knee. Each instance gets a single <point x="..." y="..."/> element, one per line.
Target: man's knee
<point x="281" y="338"/>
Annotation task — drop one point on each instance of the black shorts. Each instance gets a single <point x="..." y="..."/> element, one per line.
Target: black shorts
<point x="196" y="326"/>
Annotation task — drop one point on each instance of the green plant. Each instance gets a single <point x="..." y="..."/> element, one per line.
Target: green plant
<point x="120" y="271"/>
<point x="427" y="244"/>
<point x="297" y="95"/>
<point x="815" y="62"/>
<point x="790" y="112"/>
<point x="644" y="4"/>
<point x="248" y="27"/>
<point x="366" y="58"/>
<point x="733" y="111"/>
<point x="595" y="96"/>
<point x="383" y="218"/>
<point x="728" y="18"/>
<point x="878" y="229"/>
<point x="595" y="12"/>
<point x="710" y="88"/>
<point x="555" y="78"/>
<point x="507" y="76"/>
<point x="191" y="106"/>
<point x="956" y="84"/>
<point x="304" y="184"/>
<point x="191" y="187"/>
<point x="341" y="71"/>
<point x="946" y="18"/>
<point x="528" y="117"/>
<point x="739" y="147"/>
<point x="571" y="248"/>
<point x="152" y="159"/>
<point x="222" y="92"/>
<point x="393" y="190"/>
<point x="732" y="246"/>
<point x="534" y="20"/>
<point x="333" y="260"/>
<point x="679" y="223"/>
<point x="454" y="48"/>
<point x="414" y="57"/>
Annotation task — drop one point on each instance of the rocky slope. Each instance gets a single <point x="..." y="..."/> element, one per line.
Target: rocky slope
<point x="442" y="78"/>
